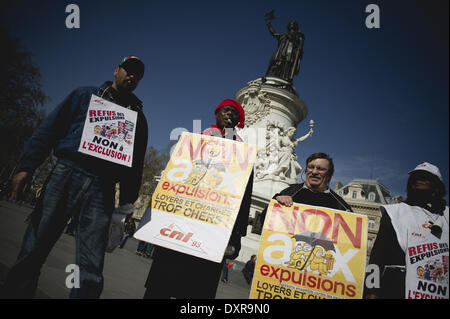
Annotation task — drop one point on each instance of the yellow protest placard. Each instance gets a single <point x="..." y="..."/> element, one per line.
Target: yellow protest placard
<point x="310" y="252"/>
<point x="196" y="202"/>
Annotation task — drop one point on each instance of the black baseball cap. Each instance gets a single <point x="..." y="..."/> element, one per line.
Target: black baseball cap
<point x="133" y="65"/>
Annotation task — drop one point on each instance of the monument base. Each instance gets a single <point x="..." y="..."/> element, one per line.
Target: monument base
<point x="272" y="108"/>
<point x="269" y="187"/>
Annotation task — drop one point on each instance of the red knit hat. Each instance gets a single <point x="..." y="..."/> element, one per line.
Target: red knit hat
<point x="237" y="106"/>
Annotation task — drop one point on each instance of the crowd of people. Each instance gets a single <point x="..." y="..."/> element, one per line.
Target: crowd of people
<point x="81" y="189"/>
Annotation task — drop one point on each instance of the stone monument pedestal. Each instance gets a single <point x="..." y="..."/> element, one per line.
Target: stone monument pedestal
<point x="272" y="106"/>
<point x="273" y="110"/>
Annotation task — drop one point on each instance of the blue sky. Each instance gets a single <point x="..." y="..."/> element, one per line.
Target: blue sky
<point x="379" y="97"/>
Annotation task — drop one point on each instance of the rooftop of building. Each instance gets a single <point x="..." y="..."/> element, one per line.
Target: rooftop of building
<point x="366" y="190"/>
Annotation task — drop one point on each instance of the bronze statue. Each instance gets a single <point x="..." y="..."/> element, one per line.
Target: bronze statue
<point x="285" y="62"/>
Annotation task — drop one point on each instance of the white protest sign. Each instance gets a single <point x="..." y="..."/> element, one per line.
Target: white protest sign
<point x="109" y="132"/>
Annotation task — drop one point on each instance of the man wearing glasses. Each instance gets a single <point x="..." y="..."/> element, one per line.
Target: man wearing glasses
<point x="314" y="191"/>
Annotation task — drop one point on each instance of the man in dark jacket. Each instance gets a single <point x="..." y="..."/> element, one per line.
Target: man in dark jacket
<point x="80" y="186"/>
<point x="249" y="269"/>
<point x="315" y="190"/>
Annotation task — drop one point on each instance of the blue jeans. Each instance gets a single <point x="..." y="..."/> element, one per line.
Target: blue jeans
<point x="141" y="246"/>
<point x="69" y="192"/>
<point x="124" y="240"/>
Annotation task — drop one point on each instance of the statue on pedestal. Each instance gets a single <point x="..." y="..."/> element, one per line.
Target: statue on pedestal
<point x="285" y="62"/>
<point x="273" y="111"/>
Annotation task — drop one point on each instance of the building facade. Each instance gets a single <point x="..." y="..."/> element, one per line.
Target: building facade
<point x="365" y="196"/>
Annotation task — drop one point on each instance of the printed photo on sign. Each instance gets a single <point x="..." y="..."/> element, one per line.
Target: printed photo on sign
<point x="195" y="205"/>
<point x="108" y="132"/>
<point x="310" y="252"/>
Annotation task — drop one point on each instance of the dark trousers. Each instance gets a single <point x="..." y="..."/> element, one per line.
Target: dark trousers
<point x="177" y="275"/>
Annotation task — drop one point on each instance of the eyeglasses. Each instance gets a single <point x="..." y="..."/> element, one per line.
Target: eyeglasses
<point x="320" y="169"/>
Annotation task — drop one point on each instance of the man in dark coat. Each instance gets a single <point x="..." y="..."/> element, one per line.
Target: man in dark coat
<point x="177" y="275"/>
<point x="249" y="269"/>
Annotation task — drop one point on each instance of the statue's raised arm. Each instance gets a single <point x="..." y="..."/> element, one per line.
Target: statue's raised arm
<point x="304" y="137"/>
<point x="269" y="17"/>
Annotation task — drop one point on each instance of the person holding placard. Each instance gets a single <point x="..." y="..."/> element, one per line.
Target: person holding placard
<point x="315" y="190"/>
<point x="411" y="248"/>
<point x="110" y="121"/>
<point x="178" y="275"/>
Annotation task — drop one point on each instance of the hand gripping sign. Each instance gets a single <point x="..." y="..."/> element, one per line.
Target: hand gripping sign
<point x="196" y="202"/>
<point x="109" y="132"/>
<point x="309" y="252"/>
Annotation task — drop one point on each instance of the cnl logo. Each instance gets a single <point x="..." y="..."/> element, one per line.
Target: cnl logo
<point x="175" y="234"/>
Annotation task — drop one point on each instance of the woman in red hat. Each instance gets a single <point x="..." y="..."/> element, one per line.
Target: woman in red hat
<point x="177" y="275"/>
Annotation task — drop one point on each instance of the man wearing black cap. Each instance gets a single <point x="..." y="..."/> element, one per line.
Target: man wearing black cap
<point x="80" y="186"/>
<point x="411" y="249"/>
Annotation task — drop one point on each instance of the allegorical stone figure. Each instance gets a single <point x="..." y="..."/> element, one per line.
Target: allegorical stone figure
<point x="288" y="167"/>
<point x="285" y="62"/>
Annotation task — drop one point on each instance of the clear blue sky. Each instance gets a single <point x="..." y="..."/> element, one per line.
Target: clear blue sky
<point x="379" y="97"/>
